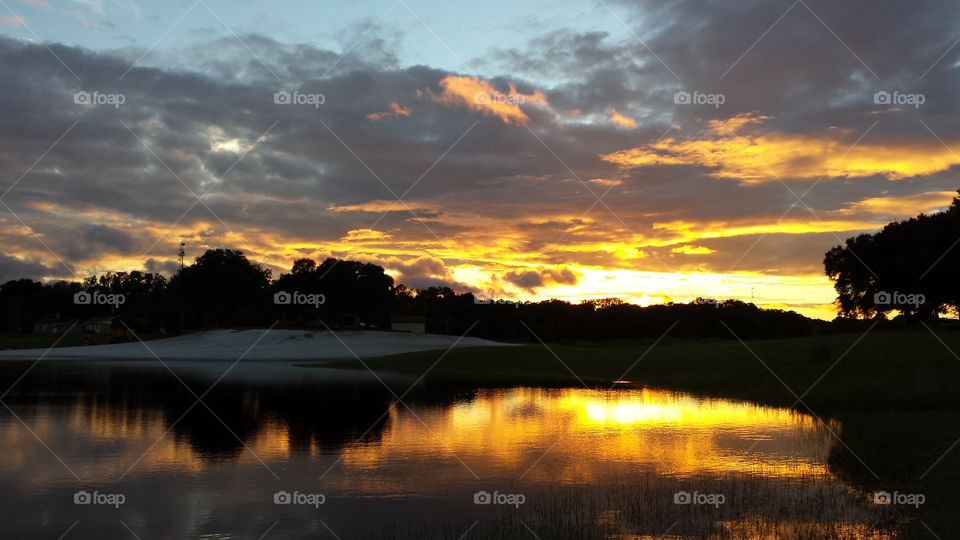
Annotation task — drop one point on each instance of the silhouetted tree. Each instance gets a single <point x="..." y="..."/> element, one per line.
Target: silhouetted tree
<point x="20" y="302"/>
<point x="222" y="288"/>
<point x="350" y="289"/>
<point x="909" y="266"/>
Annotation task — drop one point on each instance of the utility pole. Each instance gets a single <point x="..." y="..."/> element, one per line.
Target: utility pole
<point x="180" y="253"/>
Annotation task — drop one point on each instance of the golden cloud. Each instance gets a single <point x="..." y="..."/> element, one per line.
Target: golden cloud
<point x="621" y="120"/>
<point x="382" y="206"/>
<point x="394" y="110"/>
<point x="686" y="231"/>
<point x="693" y="250"/>
<point x="479" y="95"/>
<point x="365" y="235"/>
<point x="502" y="263"/>
<point x="738" y="148"/>
<point x="898" y="207"/>
<point x="606" y="182"/>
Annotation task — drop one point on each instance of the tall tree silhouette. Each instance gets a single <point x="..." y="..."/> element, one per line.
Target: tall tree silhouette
<point x="222" y="288"/>
<point x="909" y="266"/>
<point x="352" y="288"/>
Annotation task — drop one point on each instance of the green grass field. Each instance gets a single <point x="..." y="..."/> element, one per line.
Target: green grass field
<point x="896" y="395"/>
<point x="908" y="370"/>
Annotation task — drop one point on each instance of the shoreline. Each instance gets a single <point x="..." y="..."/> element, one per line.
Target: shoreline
<point x="261" y="345"/>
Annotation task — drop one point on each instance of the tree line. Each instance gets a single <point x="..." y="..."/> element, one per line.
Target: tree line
<point x="224" y="289"/>
<point x="908" y="267"/>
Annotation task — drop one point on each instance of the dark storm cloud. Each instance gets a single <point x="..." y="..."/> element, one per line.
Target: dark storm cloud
<point x="13" y="268"/>
<point x="818" y="66"/>
<point x="299" y="165"/>
<point x="531" y="280"/>
<point x="161" y="267"/>
<point x="116" y="240"/>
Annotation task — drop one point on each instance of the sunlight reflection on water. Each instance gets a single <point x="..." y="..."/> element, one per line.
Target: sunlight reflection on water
<point x="380" y="463"/>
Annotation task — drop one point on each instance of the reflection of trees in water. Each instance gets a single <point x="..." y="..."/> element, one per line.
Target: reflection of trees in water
<point x="315" y="413"/>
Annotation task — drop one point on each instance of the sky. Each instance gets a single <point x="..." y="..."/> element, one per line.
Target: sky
<point x="652" y="151"/>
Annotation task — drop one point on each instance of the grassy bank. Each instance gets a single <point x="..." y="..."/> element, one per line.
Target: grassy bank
<point x="896" y="394"/>
<point x="909" y="370"/>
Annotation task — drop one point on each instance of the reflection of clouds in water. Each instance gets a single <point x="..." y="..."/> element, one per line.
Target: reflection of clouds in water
<point x="499" y="433"/>
<point x="113" y="438"/>
<point x="592" y="433"/>
<point x="651" y="439"/>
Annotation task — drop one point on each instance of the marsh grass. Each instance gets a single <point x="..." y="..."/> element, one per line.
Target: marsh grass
<point x="813" y="507"/>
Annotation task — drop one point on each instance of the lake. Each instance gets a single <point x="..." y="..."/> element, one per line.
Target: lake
<point x="125" y="450"/>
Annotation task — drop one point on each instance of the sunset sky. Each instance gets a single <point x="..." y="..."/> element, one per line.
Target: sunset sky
<point x="653" y="151"/>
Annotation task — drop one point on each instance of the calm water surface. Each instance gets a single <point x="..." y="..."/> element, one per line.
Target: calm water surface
<point x="583" y="463"/>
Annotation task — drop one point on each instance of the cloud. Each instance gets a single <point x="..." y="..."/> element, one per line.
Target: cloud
<point x="892" y="207"/>
<point x="422" y="271"/>
<point x="501" y="200"/>
<point x="621" y="120"/>
<point x="107" y="236"/>
<point x="40" y="4"/>
<point x="15" y="268"/>
<point x="531" y="280"/>
<point x="156" y="266"/>
<point x="479" y="95"/>
<point x="394" y="110"/>
<point x="13" y="20"/>
<point x="94" y="5"/>
<point x="739" y="148"/>
<point x="693" y="250"/>
<point x="88" y="22"/>
<point x="382" y="206"/>
<point x="365" y="235"/>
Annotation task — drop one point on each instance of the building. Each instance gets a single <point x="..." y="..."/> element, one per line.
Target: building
<point x="53" y="325"/>
<point x="414" y="324"/>
<point x="101" y="325"/>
